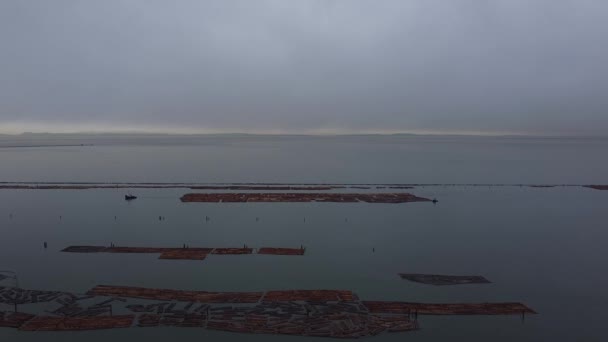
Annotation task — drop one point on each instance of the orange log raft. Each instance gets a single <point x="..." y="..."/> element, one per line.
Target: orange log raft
<point x="184" y="253"/>
<point x="303" y="197"/>
<point x="178" y="295"/>
<point x="448" y="309"/>
<point x="46" y="323"/>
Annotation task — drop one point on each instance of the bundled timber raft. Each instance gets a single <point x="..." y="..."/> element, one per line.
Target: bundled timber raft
<point x="177" y="295"/>
<point x="448" y="309"/>
<point x="439" y="280"/>
<point x="269" y="188"/>
<point x="46" y="323"/>
<point x="281" y="251"/>
<point x="188" y="253"/>
<point x="322" y="313"/>
<point x="310" y="295"/>
<point x="233" y="251"/>
<point x="402" y="197"/>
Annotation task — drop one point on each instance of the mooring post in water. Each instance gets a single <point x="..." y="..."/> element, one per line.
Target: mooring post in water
<point x="373" y="249"/>
<point x="523" y="316"/>
<point x="45" y="245"/>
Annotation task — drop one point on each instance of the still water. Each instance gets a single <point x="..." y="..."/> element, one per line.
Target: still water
<point x="545" y="247"/>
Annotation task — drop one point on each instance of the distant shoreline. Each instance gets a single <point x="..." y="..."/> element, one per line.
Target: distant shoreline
<point x="262" y="186"/>
<point x="63" y="145"/>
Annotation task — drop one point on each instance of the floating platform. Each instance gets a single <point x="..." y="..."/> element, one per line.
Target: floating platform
<point x="320" y="313"/>
<point x="177" y="295"/>
<point x="448" y="309"/>
<point x="281" y="251"/>
<point x="266" y="188"/>
<point x="232" y="251"/>
<point x="310" y="295"/>
<point x="183" y="254"/>
<point x="402" y="197"/>
<point x="439" y="280"/>
<point x="14" y="319"/>
<point x="46" y="323"/>
<point x="188" y="253"/>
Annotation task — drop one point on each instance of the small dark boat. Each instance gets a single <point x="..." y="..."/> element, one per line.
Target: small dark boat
<point x="130" y="197"/>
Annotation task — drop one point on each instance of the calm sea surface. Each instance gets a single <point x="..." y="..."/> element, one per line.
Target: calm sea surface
<point x="545" y="247"/>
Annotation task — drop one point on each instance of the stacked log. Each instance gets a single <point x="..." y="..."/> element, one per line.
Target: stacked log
<point x="448" y="309"/>
<point x="176" y="295"/>
<point x="14" y="319"/>
<point x="48" y="323"/>
<point x="303" y="197"/>
<point x="226" y="251"/>
<point x="309" y="295"/>
<point x="281" y="251"/>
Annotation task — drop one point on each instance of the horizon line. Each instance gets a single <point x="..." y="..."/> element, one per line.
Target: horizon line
<point x="312" y="134"/>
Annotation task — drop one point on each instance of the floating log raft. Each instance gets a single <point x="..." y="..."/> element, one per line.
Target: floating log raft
<point x="437" y="279"/>
<point x="179" y="295"/>
<point x="265" y="188"/>
<point x="321" y="313"/>
<point x="303" y="197"/>
<point x="281" y="251"/>
<point x="448" y="309"/>
<point x="597" y="187"/>
<point x="184" y="254"/>
<point x="233" y="251"/>
<point x="15" y="295"/>
<point x="310" y="295"/>
<point x="14" y="319"/>
<point x="47" y="323"/>
<point x="188" y="253"/>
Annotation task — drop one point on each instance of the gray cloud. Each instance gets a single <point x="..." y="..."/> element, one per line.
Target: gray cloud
<point x="305" y="66"/>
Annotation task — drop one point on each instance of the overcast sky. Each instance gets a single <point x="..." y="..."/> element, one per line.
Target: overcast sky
<point x="293" y="66"/>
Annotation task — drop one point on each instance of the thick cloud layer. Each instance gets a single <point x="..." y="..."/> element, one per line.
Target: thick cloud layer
<point x="305" y="66"/>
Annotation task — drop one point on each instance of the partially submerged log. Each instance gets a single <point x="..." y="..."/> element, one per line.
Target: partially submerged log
<point x="309" y="295"/>
<point x="448" y="309"/>
<point x="49" y="323"/>
<point x="438" y="279"/>
<point x="281" y="251"/>
<point x="232" y="251"/>
<point x="179" y="295"/>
